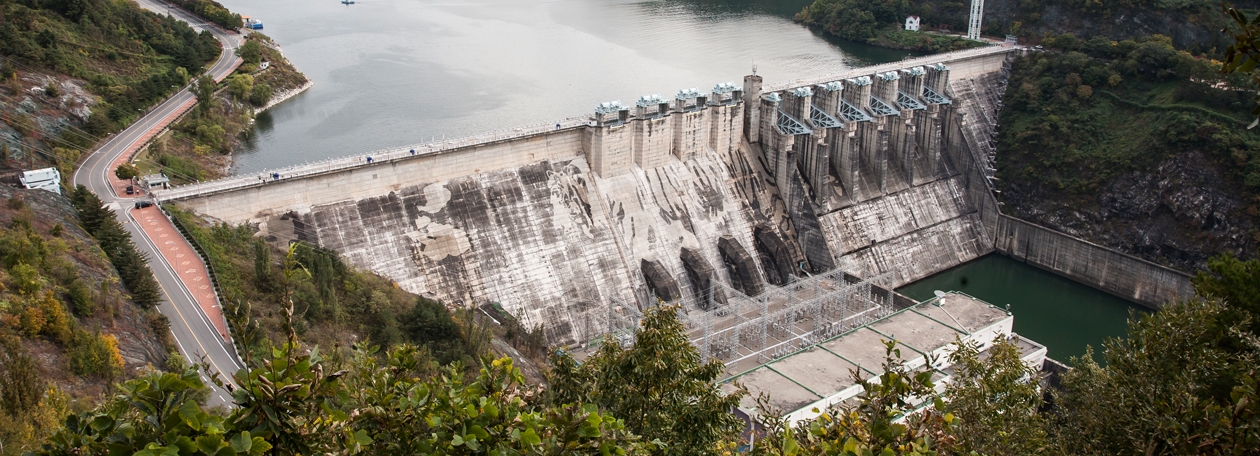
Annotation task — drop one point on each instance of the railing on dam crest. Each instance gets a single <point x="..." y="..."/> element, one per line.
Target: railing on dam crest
<point x="354" y="161"/>
<point x="891" y="66"/>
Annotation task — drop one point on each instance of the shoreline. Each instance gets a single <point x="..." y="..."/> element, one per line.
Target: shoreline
<point x="275" y="100"/>
<point x="284" y="96"/>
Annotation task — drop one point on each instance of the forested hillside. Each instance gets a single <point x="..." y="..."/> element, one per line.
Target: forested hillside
<point x="75" y="70"/>
<point x="69" y="328"/>
<point x="1193" y="25"/>
<point x="1134" y="145"/>
<point x="1182" y="383"/>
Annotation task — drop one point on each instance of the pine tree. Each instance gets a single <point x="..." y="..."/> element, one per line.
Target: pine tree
<point x="132" y="265"/>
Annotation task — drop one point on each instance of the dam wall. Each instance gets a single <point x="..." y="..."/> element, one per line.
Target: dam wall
<point x="256" y="197"/>
<point x="1122" y="275"/>
<point x="739" y="189"/>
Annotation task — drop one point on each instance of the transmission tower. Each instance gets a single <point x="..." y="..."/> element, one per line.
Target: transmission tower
<point x="977" y="15"/>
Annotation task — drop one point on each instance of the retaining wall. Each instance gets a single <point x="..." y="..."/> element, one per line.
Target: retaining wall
<point x="1122" y="275"/>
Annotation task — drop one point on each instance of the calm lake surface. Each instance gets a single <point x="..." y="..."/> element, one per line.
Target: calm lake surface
<point x="398" y="72"/>
<point x="1062" y="314"/>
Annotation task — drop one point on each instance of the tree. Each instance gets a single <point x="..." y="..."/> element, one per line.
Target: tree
<point x="132" y="265"/>
<point x="127" y="171"/>
<point x="250" y="52"/>
<point x="491" y="414"/>
<point x="262" y="261"/>
<point x="1235" y="282"/>
<point x="1244" y="55"/>
<point x="154" y="414"/>
<point x="997" y="400"/>
<point x="659" y="386"/>
<point x="240" y="86"/>
<point x="1184" y="382"/>
<point x="204" y="90"/>
<point x="429" y="324"/>
<point x="260" y="95"/>
<point x="95" y="355"/>
<point x="21" y="384"/>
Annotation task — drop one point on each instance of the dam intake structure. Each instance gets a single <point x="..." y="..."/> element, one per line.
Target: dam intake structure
<point x="709" y="199"/>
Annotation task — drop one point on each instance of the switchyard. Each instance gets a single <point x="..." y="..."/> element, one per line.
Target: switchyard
<point x="750" y="330"/>
<point x="745" y="331"/>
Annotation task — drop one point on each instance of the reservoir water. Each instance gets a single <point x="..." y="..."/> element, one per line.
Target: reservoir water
<point x="1062" y="314"/>
<point x="390" y="73"/>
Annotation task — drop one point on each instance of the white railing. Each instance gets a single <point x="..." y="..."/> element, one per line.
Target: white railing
<point x="885" y="67"/>
<point x="360" y="160"/>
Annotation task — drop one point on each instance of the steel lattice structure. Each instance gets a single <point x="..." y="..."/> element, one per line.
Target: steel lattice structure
<point x="788" y="125"/>
<point x="748" y="331"/>
<point x="907" y="101"/>
<point x="821" y="119"/>
<point x="935" y="98"/>
<point x="879" y="107"/>
<point x="754" y="330"/>
<point x="853" y="113"/>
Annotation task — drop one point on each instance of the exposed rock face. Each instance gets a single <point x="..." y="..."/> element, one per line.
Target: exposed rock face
<point x="33" y="107"/>
<point x="1179" y="214"/>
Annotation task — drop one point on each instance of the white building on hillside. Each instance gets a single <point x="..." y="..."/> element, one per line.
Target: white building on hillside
<point x="43" y="179"/>
<point x="912" y="23"/>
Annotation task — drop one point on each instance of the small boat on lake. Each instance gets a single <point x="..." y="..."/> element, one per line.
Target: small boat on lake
<point x="251" y="23"/>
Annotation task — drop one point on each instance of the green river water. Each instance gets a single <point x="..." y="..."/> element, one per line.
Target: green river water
<point x="1064" y="315"/>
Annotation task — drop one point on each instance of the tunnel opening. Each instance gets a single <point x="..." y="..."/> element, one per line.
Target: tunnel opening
<point x="776" y="259"/>
<point x="702" y="278"/>
<point x="659" y="282"/>
<point x="739" y="263"/>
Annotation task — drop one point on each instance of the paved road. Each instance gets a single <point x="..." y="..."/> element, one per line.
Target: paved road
<point x="192" y="329"/>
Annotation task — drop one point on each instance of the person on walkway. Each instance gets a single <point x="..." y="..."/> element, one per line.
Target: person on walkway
<point x="413" y="152"/>
<point x="369" y="159"/>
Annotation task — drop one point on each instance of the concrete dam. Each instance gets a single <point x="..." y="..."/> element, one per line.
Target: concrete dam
<point x="877" y="176"/>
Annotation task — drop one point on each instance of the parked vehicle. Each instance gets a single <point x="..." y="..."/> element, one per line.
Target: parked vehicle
<point x="143" y="204"/>
<point x="131" y="190"/>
